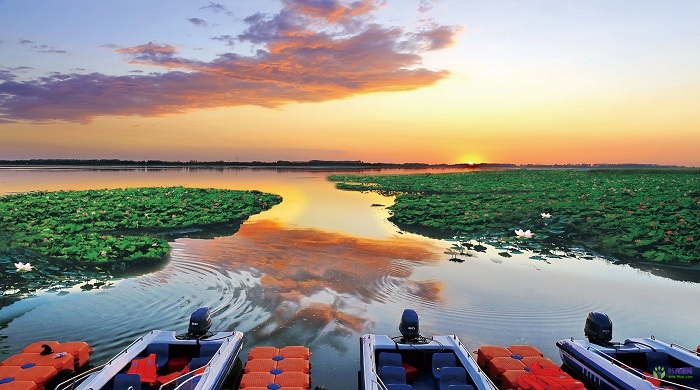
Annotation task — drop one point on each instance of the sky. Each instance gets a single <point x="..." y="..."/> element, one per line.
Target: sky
<point x="432" y="81"/>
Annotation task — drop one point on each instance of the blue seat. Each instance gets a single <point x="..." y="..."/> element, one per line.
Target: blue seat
<point x="127" y="382"/>
<point x="198" y="362"/>
<point x="208" y="349"/>
<point x="398" y="386"/>
<point x="453" y="376"/>
<point x="442" y="359"/>
<point x="162" y="351"/>
<point x="657" y="359"/>
<point x="389" y="359"/>
<point x="392" y="374"/>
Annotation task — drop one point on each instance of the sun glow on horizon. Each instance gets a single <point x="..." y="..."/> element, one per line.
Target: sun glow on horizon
<point x="470" y="159"/>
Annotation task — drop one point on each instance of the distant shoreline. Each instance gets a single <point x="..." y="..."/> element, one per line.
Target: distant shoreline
<point x="313" y="164"/>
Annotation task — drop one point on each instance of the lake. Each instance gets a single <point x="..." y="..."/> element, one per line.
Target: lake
<point x="324" y="267"/>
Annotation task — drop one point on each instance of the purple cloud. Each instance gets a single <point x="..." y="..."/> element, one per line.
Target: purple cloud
<point x="227" y="39"/>
<point x="150" y="52"/>
<point x="6" y="75"/>
<point x="41" y="48"/>
<point x="198" y="22"/>
<point x="436" y="37"/>
<point x="333" y="11"/>
<point x="340" y="55"/>
<point x="218" y="8"/>
<point x="52" y="51"/>
<point x="425" y="6"/>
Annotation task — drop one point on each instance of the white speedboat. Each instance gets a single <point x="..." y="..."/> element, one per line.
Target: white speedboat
<point x="635" y="364"/>
<point x="198" y="360"/>
<point x="411" y="361"/>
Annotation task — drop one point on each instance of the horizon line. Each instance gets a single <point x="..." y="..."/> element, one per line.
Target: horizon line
<point x="316" y="162"/>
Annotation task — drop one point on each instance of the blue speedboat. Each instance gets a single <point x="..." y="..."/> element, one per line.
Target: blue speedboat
<point x="198" y="360"/>
<point x="635" y="364"/>
<point x="411" y="361"/>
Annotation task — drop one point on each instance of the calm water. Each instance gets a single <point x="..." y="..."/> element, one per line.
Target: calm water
<point x="324" y="267"/>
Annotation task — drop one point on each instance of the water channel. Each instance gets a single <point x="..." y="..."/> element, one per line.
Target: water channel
<point x="324" y="267"/>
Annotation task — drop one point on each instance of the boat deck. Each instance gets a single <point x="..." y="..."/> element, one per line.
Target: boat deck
<point x="422" y="369"/>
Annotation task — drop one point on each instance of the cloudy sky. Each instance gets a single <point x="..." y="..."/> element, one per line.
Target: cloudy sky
<point x="517" y="81"/>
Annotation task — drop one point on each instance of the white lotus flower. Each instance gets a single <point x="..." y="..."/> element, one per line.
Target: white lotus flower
<point x="24" y="267"/>
<point x="546" y="215"/>
<point x="525" y="234"/>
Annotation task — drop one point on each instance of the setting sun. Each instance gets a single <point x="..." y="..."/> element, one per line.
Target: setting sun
<point x="470" y="159"/>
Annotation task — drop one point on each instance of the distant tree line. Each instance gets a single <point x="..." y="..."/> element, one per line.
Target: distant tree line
<point x="221" y="163"/>
<point x="300" y="164"/>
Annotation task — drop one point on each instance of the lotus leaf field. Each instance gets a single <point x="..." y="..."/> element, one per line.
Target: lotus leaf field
<point x="79" y="235"/>
<point x="627" y="214"/>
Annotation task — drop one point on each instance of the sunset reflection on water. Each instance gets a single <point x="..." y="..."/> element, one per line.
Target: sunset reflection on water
<point x="324" y="267"/>
<point x="319" y="276"/>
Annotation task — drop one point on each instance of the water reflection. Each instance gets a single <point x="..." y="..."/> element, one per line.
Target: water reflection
<point x="280" y="285"/>
<point x="323" y="277"/>
<point x="324" y="267"/>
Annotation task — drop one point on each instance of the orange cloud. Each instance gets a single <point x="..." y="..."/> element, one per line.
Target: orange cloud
<point x="332" y="10"/>
<point x="153" y="49"/>
<point x="298" y="61"/>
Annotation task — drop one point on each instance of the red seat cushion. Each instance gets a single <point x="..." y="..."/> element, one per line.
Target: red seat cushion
<point x="411" y="373"/>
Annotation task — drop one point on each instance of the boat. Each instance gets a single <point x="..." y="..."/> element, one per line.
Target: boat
<point x="635" y="364"/>
<point x="412" y="361"/>
<point x="198" y="359"/>
<point x="44" y="364"/>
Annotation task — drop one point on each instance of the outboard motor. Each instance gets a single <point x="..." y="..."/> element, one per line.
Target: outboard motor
<point x="598" y="328"/>
<point x="200" y="322"/>
<point x="409" y="326"/>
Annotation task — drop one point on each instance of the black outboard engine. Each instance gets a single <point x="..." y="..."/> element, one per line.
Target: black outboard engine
<point x="598" y="328"/>
<point x="409" y="326"/>
<point x="200" y="322"/>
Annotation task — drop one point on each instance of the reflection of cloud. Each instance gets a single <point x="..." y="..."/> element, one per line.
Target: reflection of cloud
<point x="310" y="51"/>
<point x="305" y="261"/>
<point x="309" y="270"/>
